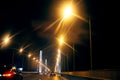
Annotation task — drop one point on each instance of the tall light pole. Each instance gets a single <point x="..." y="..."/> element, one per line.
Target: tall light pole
<point x="90" y="32"/>
<point x="67" y="13"/>
<point x="21" y="50"/>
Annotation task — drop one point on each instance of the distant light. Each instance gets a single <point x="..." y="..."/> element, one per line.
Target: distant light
<point x="14" y="67"/>
<point x="29" y="55"/>
<point x="58" y="50"/>
<point x="6" y="39"/>
<point x="4" y="65"/>
<point x="21" y="50"/>
<point x="61" y="40"/>
<point x="20" y="69"/>
<point x="34" y="58"/>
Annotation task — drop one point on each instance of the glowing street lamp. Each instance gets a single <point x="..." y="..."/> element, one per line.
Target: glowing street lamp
<point x="6" y="40"/>
<point x="61" y="40"/>
<point x="21" y="50"/>
<point x="67" y="11"/>
<point x="34" y="58"/>
<point x="29" y="55"/>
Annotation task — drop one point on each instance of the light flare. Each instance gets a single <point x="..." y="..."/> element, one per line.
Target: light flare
<point x="67" y="11"/>
<point x="51" y="25"/>
<point x="44" y="66"/>
<point x="29" y="55"/>
<point x="61" y="40"/>
<point x="34" y="58"/>
<point x="81" y="18"/>
<point x="59" y="26"/>
<point x="21" y="50"/>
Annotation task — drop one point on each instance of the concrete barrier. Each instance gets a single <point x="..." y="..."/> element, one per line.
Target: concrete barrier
<point x="98" y="74"/>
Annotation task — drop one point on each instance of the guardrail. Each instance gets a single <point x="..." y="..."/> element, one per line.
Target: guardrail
<point x="98" y="74"/>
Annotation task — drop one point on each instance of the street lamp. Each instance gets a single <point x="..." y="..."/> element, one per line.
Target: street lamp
<point x="90" y="35"/>
<point x="67" y="13"/>
<point x="58" y="60"/>
<point x="21" y="50"/>
<point x="29" y="55"/>
<point x="61" y="40"/>
<point x="5" y="40"/>
<point x="18" y="50"/>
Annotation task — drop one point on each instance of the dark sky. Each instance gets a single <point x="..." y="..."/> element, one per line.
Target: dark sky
<point x="26" y="17"/>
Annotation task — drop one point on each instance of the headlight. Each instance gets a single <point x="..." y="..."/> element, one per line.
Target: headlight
<point x="0" y="75"/>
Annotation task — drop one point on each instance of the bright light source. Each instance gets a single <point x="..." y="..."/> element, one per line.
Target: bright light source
<point x="29" y="55"/>
<point x="13" y="67"/>
<point x="8" y="74"/>
<point x="21" y="50"/>
<point x="34" y="58"/>
<point x="61" y="40"/>
<point x="20" y="69"/>
<point x="67" y="11"/>
<point x="6" y="40"/>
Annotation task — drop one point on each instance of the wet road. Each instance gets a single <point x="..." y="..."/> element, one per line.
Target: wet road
<point x="36" y="76"/>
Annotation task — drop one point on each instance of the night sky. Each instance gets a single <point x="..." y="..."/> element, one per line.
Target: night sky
<point x="29" y="18"/>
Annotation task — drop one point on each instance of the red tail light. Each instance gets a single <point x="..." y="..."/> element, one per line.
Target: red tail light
<point x="8" y="74"/>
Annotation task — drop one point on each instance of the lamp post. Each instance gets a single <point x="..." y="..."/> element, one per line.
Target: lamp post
<point x="13" y="54"/>
<point x="90" y="35"/>
<point x="21" y="50"/>
<point x="69" y="11"/>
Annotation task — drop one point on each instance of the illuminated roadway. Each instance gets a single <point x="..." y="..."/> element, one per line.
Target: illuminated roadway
<point x="36" y="76"/>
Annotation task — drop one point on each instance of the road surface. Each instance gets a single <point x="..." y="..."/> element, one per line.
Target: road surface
<point x="36" y="76"/>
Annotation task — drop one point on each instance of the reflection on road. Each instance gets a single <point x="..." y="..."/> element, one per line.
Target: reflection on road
<point x="35" y="76"/>
<point x="57" y="78"/>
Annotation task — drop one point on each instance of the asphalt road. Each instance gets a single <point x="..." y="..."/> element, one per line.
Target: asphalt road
<point x="36" y="76"/>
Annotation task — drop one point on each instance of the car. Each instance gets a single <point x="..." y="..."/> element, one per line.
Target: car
<point x="10" y="73"/>
<point x="52" y="74"/>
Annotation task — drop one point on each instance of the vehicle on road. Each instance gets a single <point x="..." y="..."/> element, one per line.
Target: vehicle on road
<point x="52" y="74"/>
<point x="10" y="73"/>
